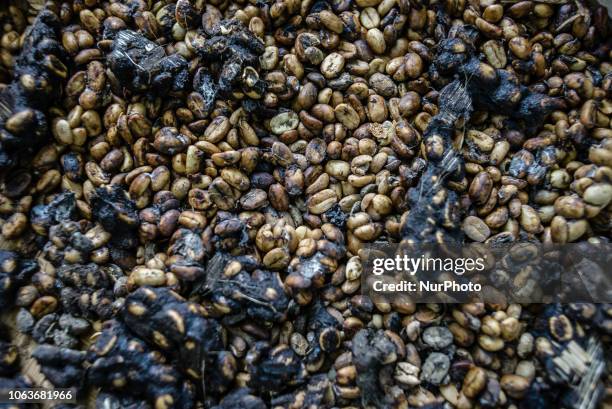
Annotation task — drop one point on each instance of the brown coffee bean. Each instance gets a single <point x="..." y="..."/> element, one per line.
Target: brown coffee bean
<point x="480" y="188"/>
<point x="515" y="386"/>
<point x="476" y="229"/>
<point x="474" y="382"/>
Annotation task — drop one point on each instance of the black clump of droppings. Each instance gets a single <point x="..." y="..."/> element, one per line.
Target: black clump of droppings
<point x="87" y="289"/>
<point x="163" y="318"/>
<point x="447" y="61"/>
<point x="259" y="295"/>
<point x="231" y="47"/>
<point x="490" y="89"/>
<point x="336" y="216"/>
<point x="313" y="395"/>
<point x="166" y="20"/>
<point x="435" y="215"/>
<point x="534" y="107"/>
<point x="230" y="233"/>
<point x="62" y="331"/>
<point x="120" y="362"/>
<point x="188" y="244"/>
<point x="141" y="65"/>
<point x="274" y="369"/>
<point x="43" y="327"/>
<point x="241" y="398"/>
<point x="188" y="251"/>
<point x="117" y="213"/>
<point x="63" y="367"/>
<point x="325" y="327"/>
<point x="132" y="59"/>
<point x="72" y="166"/>
<point x="14" y="272"/>
<point x="23" y="124"/>
<point x="62" y="208"/>
<point x="372" y="350"/>
<point x="173" y="75"/>
<point x="320" y="319"/>
<point x="326" y="333"/>
<point x="204" y="84"/>
<point x="255" y="107"/>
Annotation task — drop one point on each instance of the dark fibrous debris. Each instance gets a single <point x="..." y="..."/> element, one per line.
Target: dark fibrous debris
<point x="257" y="295"/>
<point x="435" y="215"/>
